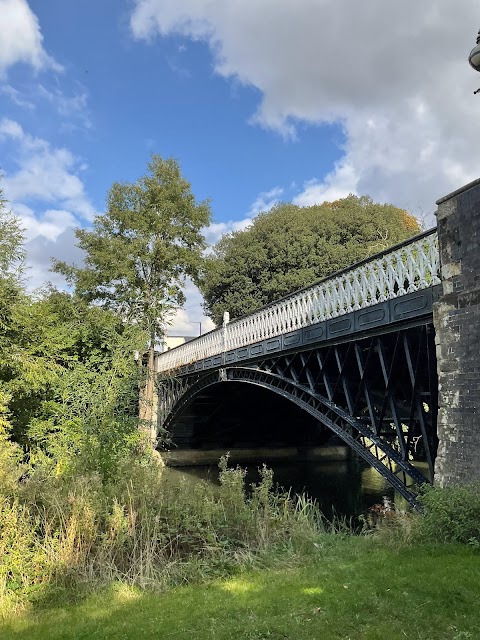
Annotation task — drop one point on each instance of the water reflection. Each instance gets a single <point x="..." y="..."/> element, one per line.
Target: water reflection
<point x="347" y="488"/>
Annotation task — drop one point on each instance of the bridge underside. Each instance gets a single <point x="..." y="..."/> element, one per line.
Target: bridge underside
<point x="377" y="393"/>
<point x="245" y="416"/>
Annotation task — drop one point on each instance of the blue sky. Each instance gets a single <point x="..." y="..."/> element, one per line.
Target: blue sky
<point x="164" y="97"/>
<point x="259" y="100"/>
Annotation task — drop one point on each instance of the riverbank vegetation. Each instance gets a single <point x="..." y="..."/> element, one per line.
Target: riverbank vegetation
<point x="133" y="533"/>
<point x="264" y="572"/>
<point x="77" y="531"/>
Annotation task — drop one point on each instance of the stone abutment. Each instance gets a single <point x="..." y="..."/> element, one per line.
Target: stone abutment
<point x="457" y="325"/>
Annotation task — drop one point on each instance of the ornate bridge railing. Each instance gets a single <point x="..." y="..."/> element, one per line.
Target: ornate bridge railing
<point x="405" y="268"/>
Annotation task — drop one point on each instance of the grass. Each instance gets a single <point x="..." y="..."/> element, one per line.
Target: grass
<point x="82" y="557"/>
<point x="348" y="588"/>
<point x="78" y="533"/>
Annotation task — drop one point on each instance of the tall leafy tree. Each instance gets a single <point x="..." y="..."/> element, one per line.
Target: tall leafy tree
<point x="67" y="378"/>
<point x="139" y="252"/>
<point x="291" y="247"/>
<point x="59" y="347"/>
<point x="12" y="256"/>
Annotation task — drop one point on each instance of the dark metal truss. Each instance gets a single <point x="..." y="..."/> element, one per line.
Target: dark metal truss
<point x="378" y="394"/>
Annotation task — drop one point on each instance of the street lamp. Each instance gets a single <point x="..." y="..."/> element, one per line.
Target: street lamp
<point x="196" y="322"/>
<point x="474" y="58"/>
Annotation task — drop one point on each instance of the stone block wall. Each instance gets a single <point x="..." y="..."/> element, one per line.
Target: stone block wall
<point x="457" y="326"/>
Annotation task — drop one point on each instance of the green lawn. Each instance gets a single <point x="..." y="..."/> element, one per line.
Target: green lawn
<point x="349" y="589"/>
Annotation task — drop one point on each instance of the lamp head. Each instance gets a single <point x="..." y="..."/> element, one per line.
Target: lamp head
<point x="474" y="57"/>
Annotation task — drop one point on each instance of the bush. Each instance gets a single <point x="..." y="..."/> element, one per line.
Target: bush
<point x="450" y="514"/>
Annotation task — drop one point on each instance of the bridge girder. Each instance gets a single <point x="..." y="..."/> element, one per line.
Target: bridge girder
<point x="378" y="394"/>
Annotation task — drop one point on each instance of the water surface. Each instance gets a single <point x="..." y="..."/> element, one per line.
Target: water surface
<point x="347" y="488"/>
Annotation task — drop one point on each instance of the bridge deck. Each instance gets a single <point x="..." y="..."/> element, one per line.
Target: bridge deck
<point x="396" y="285"/>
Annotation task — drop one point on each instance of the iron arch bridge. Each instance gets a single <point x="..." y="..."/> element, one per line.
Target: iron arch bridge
<point x="356" y="352"/>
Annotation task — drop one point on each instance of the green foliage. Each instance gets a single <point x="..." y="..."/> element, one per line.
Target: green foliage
<point x="71" y="377"/>
<point x="68" y="378"/>
<point x="11" y="456"/>
<point x="12" y="257"/>
<point x="24" y="562"/>
<point x="139" y="526"/>
<point x="90" y="420"/>
<point x="139" y="252"/>
<point x="4" y="413"/>
<point x="291" y="247"/>
<point x="451" y="514"/>
<point x="12" y="253"/>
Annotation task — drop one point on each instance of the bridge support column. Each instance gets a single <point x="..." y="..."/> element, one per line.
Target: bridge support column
<point x="457" y="324"/>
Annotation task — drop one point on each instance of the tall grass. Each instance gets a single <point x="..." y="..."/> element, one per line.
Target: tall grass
<point x="447" y="515"/>
<point x="145" y="529"/>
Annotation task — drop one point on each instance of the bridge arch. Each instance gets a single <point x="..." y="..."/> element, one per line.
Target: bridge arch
<point x="353" y="430"/>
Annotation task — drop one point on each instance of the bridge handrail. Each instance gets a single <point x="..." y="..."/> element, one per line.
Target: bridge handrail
<point x="410" y="266"/>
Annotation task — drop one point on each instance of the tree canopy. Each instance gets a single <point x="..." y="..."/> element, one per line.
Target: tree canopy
<point x="58" y="351"/>
<point x="291" y="247"/>
<point x="12" y="255"/>
<point x="68" y="382"/>
<point x="140" y="251"/>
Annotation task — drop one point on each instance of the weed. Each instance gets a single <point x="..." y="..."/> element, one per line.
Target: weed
<point x="451" y="514"/>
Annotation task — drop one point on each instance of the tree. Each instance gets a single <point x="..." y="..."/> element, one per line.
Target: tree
<point x="291" y="247"/>
<point x="59" y="348"/>
<point x="139" y="253"/>
<point x="68" y="382"/>
<point x="12" y="256"/>
<point x="81" y="406"/>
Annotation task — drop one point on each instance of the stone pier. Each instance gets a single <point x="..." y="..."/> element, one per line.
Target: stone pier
<point x="457" y="326"/>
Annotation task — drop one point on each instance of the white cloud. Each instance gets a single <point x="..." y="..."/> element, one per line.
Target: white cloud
<point x="393" y="75"/>
<point x="16" y="96"/>
<point x="265" y="201"/>
<point x="187" y="321"/>
<point x="45" y="173"/>
<point x="216" y="230"/>
<point x="10" y="129"/>
<point x="340" y="183"/>
<point x="21" y="38"/>
<point x="41" y="248"/>
<point x="45" y="191"/>
<point x="73" y="108"/>
<point x="50" y="225"/>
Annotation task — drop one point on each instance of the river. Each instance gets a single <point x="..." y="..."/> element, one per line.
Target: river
<point x="347" y="488"/>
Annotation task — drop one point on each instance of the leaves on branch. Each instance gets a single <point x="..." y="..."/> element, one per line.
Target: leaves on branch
<point x="291" y="247"/>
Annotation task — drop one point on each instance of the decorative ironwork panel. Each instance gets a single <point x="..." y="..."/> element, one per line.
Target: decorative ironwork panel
<point x="407" y="268"/>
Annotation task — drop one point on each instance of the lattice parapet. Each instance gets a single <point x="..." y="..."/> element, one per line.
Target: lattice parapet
<point x="412" y="266"/>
